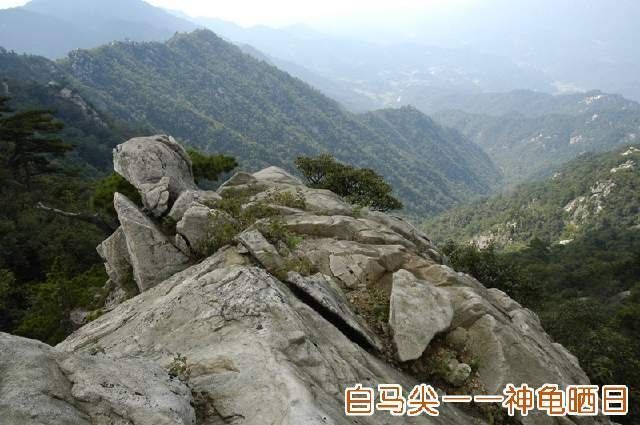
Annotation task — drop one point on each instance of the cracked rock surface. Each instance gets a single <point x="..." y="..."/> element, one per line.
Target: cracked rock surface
<point x="271" y="328"/>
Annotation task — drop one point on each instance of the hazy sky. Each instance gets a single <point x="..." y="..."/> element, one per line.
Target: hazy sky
<point x="284" y="12"/>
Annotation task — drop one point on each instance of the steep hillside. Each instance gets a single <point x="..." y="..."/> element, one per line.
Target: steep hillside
<point x="209" y="94"/>
<point x="587" y="193"/>
<point x="92" y="133"/>
<point x="53" y="28"/>
<point x="531" y="146"/>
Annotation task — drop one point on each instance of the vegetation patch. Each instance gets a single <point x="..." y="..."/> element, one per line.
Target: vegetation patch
<point x="287" y="199"/>
<point x="178" y="368"/>
<point x="360" y="186"/>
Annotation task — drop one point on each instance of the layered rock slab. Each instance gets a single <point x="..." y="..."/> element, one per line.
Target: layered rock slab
<point x="255" y="353"/>
<point x="43" y="386"/>
<point x="417" y="312"/>
<point x="153" y="257"/>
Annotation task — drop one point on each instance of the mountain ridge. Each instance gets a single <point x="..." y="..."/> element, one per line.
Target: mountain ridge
<point x="590" y="192"/>
<point x="211" y="95"/>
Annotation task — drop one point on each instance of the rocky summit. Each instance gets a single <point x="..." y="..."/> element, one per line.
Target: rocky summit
<point x="261" y="302"/>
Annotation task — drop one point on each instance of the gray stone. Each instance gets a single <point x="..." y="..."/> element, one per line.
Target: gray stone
<point x="115" y="255"/>
<point x="42" y="386"/>
<point x="417" y="312"/>
<point x="328" y="295"/>
<point x="345" y="228"/>
<point x="261" y="249"/>
<point x="155" y="196"/>
<point x="158" y="167"/>
<point x="457" y="373"/>
<point x="276" y="175"/>
<point x="128" y="390"/>
<point x="351" y="263"/>
<point x="197" y="225"/>
<point x="152" y="256"/>
<point x="187" y="198"/>
<point x="240" y="328"/>
<point x="457" y="339"/>
<point x="404" y="228"/>
<point x="238" y="179"/>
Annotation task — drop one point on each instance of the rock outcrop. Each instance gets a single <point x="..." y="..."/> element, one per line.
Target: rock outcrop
<point x="418" y="311"/>
<point x="308" y="297"/>
<point x="158" y="167"/>
<point x="153" y="257"/>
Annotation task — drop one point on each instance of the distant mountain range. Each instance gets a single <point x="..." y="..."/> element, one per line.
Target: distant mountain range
<point x="373" y="75"/>
<point x="591" y="192"/>
<point x="208" y="93"/>
<point x="52" y="28"/>
<point x="530" y="134"/>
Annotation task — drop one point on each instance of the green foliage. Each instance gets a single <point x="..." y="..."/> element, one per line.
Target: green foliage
<point x="287" y="199"/>
<point x="217" y="236"/>
<point x="101" y="200"/>
<point x="537" y="210"/>
<point x="27" y="142"/>
<point x="232" y="202"/>
<point x="493" y="270"/>
<point x="48" y="263"/>
<point x="274" y="230"/>
<point x="528" y="147"/>
<point x="300" y="265"/>
<point x="53" y="300"/>
<point x="178" y="368"/>
<point x="209" y="167"/>
<point x="204" y="90"/>
<point x="576" y="291"/>
<point x="360" y="186"/>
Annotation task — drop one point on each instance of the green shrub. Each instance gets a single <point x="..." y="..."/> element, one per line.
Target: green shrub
<point x="209" y="167"/>
<point x="101" y="200"/>
<point x="361" y="186"/>
<point x="178" y="368"/>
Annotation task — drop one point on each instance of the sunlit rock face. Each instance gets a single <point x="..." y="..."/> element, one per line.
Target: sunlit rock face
<point x="306" y="296"/>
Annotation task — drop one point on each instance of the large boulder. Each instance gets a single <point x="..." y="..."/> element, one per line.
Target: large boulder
<point x="187" y="198"/>
<point x="261" y="249"/>
<point x="255" y="353"/>
<point x="417" y="312"/>
<point x="43" y="386"/>
<point x="158" y="167"/>
<point x="326" y="295"/>
<point x="276" y="175"/>
<point x="345" y="228"/>
<point x="153" y="257"/>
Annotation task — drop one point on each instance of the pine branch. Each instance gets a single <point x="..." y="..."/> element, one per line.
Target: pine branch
<point x="94" y="219"/>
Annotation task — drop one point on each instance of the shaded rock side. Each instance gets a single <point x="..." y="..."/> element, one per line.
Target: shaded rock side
<point x="153" y="257"/>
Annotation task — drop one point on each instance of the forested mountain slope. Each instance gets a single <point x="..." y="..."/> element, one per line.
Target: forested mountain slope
<point x="529" y="145"/>
<point x="588" y="193"/>
<point x="206" y="92"/>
